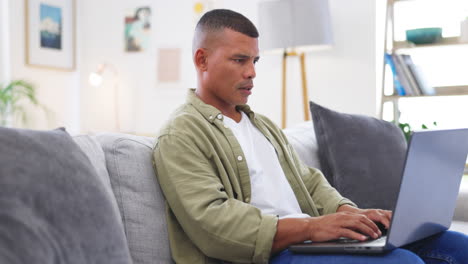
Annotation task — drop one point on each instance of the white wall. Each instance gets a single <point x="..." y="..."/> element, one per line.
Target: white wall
<point x="58" y="90"/>
<point x="343" y="78"/>
<point x="144" y="103"/>
<point x="4" y="45"/>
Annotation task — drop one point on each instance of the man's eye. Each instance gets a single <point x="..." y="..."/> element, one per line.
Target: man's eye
<point x="239" y="60"/>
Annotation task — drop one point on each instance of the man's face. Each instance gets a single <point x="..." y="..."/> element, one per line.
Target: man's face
<point x="230" y="69"/>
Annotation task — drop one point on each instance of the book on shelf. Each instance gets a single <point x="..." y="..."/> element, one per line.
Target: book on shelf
<point x="406" y="75"/>
<point x="402" y="76"/>
<point x="421" y="81"/>
<point x="411" y="80"/>
<point x="399" y="89"/>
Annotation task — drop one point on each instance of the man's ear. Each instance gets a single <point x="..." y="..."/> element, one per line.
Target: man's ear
<point x="201" y="59"/>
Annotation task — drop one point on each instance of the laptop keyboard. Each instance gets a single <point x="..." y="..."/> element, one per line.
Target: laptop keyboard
<point x="345" y="240"/>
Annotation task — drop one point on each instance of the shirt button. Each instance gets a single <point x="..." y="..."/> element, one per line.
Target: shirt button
<point x="239" y="158"/>
<point x="247" y="200"/>
<point x="226" y="126"/>
<point x="220" y="116"/>
<point x="211" y="117"/>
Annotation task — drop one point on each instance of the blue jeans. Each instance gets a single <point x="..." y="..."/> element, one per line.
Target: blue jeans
<point x="446" y="247"/>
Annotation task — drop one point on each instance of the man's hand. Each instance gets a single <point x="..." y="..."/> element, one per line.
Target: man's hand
<point x="342" y="224"/>
<point x="348" y="221"/>
<point x="376" y="215"/>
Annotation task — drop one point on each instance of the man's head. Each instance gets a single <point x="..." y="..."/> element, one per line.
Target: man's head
<point x="225" y="49"/>
<point x="215" y="21"/>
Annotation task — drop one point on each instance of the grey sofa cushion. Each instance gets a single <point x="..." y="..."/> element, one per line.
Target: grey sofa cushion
<point x="95" y="154"/>
<point x="361" y="156"/>
<point x="302" y="138"/>
<point x="140" y="200"/>
<point x="53" y="207"/>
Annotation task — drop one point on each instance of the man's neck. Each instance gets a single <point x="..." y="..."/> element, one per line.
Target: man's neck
<point x="236" y="115"/>
<point x="229" y="111"/>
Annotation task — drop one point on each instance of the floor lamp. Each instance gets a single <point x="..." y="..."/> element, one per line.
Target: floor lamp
<point x="305" y="95"/>
<point x="96" y="78"/>
<point x="294" y="27"/>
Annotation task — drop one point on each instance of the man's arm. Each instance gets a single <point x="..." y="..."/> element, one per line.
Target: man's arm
<point x="219" y="225"/>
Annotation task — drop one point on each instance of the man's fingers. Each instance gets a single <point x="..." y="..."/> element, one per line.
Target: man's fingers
<point x="363" y="225"/>
<point x="380" y="216"/>
<point x="385" y="217"/>
<point x="370" y="223"/>
<point x="388" y="215"/>
<point x="355" y="225"/>
<point x="345" y="232"/>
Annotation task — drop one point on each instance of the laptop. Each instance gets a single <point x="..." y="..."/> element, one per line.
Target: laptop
<point x="429" y="187"/>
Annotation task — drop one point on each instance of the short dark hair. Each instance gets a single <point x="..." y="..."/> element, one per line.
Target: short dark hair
<point x="219" y="19"/>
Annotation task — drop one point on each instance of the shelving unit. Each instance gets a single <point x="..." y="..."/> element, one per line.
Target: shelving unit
<point x="443" y="42"/>
<point x="395" y="46"/>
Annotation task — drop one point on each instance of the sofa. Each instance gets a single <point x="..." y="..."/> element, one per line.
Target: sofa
<point x="124" y="177"/>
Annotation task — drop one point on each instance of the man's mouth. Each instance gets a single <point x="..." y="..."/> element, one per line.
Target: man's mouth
<point x="246" y="90"/>
<point x="247" y="87"/>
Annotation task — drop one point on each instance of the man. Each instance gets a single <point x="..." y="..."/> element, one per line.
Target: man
<point x="235" y="189"/>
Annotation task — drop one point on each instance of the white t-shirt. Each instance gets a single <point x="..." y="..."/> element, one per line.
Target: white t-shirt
<point x="271" y="192"/>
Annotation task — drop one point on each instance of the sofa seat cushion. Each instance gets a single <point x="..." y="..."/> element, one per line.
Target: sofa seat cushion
<point x="361" y="156"/>
<point x="139" y="197"/>
<point x="54" y="209"/>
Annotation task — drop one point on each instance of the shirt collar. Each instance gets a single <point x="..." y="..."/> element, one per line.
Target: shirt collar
<point x="210" y="112"/>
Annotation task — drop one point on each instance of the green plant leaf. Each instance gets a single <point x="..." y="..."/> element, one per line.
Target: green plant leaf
<point x="406" y="129"/>
<point x="13" y="96"/>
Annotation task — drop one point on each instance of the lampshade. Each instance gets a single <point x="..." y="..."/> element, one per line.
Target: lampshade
<point x="299" y="24"/>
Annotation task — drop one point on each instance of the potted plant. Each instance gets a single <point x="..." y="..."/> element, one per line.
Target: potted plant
<point x="407" y="129"/>
<point x="12" y="97"/>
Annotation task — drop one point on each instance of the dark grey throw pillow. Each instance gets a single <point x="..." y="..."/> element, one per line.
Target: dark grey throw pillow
<point x="361" y="156"/>
<point x="53" y="208"/>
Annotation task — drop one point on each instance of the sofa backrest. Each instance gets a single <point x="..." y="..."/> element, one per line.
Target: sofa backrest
<point x="95" y="154"/>
<point x="54" y="207"/>
<point x="124" y="163"/>
<point x="138" y="195"/>
<point x="302" y="138"/>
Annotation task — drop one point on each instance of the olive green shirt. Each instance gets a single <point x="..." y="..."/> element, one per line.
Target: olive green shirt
<point x="205" y="179"/>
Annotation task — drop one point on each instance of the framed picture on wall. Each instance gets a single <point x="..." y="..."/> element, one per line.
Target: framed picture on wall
<point x="50" y="34"/>
<point x="137" y="29"/>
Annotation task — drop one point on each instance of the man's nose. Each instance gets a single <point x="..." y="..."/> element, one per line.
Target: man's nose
<point x="250" y="71"/>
